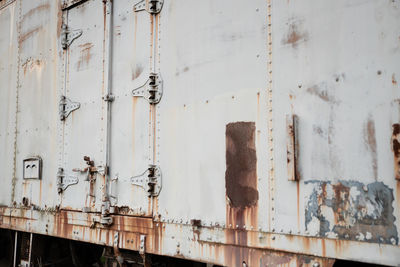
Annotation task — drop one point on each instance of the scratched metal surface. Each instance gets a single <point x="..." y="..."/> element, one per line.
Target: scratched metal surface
<point x="8" y="81"/>
<point x="338" y="75"/>
<point x="215" y="74"/>
<point x="232" y="72"/>
<point x="130" y="144"/>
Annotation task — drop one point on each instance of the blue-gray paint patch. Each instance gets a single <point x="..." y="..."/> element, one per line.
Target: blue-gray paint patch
<point x="351" y="210"/>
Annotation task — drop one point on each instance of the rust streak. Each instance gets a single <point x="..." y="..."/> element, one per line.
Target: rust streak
<point x="37" y="9"/>
<point x="29" y="34"/>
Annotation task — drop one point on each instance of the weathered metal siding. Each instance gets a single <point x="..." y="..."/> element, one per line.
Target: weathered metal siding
<point x="8" y="81"/>
<point x="337" y="74"/>
<point x="232" y="74"/>
<point x="215" y="76"/>
<point x="37" y="100"/>
<point x="131" y="143"/>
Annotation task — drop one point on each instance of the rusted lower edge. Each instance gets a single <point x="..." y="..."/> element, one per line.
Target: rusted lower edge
<point x="178" y="240"/>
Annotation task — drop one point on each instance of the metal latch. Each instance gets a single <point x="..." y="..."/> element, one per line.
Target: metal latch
<point x="63" y="181"/>
<point x="68" y="36"/>
<point x="150" y="180"/>
<point x="91" y="170"/>
<point x="151" y="6"/>
<point x="152" y="90"/>
<point x="66" y="106"/>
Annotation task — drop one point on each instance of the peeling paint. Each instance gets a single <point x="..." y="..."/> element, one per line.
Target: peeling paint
<point x="351" y="210"/>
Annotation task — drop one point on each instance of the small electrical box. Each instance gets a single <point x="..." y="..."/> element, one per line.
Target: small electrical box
<point x="32" y="168"/>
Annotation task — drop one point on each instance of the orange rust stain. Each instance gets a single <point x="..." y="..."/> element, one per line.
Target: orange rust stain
<point x="29" y="34"/>
<point x="394" y="81"/>
<point x="59" y="19"/>
<point x="323" y="247"/>
<point x="294" y="36"/>
<point x="35" y="10"/>
<point x="85" y="55"/>
<point x="371" y="144"/>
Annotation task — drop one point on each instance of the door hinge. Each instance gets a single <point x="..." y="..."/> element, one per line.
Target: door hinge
<point x="68" y="36"/>
<point x="151" y="6"/>
<point x="66" y="106"/>
<point x="152" y="90"/>
<point x="150" y="180"/>
<point x="63" y="181"/>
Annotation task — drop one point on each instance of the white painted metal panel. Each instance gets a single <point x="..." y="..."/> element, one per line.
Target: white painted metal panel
<point x="335" y="66"/>
<point x="84" y="128"/>
<point x="130" y="126"/>
<point x="37" y="101"/>
<point x="212" y="60"/>
<point x="8" y="76"/>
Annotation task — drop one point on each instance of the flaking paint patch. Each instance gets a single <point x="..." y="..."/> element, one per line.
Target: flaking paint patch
<point x="352" y="211"/>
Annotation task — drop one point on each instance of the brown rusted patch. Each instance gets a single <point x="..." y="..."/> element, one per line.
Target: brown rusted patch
<point x="40" y="8"/>
<point x="31" y="64"/>
<point x="321" y="93"/>
<point x="241" y="179"/>
<point x="371" y="145"/>
<point x="85" y="56"/>
<point x="396" y="149"/>
<point x="59" y="19"/>
<point x="241" y="165"/>
<point x="294" y="36"/>
<point x="25" y="36"/>
<point x="394" y="81"/>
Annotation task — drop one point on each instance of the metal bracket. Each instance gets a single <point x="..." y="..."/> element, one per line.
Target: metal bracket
<point x="150" y="180"/>
<point x="66" y="106"/>
<point x="63" y="181"/>
<point x="142" y="248"/>
<point x="151" y="6"/>
<point x="152" y="90"/>
<point x="68" y="36"/>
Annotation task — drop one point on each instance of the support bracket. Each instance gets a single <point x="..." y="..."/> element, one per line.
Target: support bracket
<point x="151" y="6"/>
<point x="150" y="180"/>
<point x="68" y="36"/>
<point x="66" y="106"/>
<point x="152" y="90"/>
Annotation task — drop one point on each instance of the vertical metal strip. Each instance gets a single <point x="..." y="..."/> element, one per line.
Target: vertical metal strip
<point x="30" y="249"/>
<point x="271" y="184"/>
<point x="15" y="249"/>
<point x="108" y="42"/>
<point x="14" y="178"/>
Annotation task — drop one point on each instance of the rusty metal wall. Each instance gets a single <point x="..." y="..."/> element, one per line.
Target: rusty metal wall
<point x="278" y="128"/>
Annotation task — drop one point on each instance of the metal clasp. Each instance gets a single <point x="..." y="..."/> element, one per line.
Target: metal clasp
<point x="63" y="181"/>
<point x="66" y="106"/>
<point x="152" y="90"/>
<point x="150" y="180"/>
<point x="151" y="6"/>
<point x="68" y="36"/>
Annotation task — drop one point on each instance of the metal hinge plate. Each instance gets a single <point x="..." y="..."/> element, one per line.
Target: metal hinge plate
<point x="66" y="106"/>
<point x="152" y="90"/>
<point x="151" y="6"/>
<point x="150" y="180"/>
<point x="68" y="36"/>
<point x="63" y="181"/>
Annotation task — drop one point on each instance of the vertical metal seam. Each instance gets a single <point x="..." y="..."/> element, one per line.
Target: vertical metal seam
<point x="271" y="175"/>
<point x="14" y="178"/>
